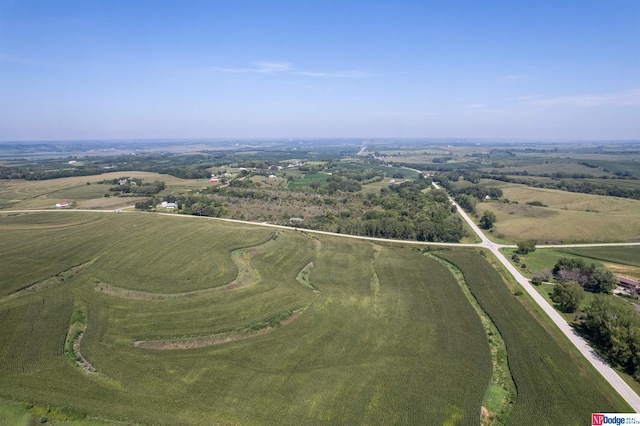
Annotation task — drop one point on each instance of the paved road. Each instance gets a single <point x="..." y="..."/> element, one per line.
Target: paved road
<point x="607" y="372"/>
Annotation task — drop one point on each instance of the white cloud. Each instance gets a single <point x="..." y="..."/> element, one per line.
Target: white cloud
<point x="285" y="67"/>
<point x="515" y="77"/>
<point x="404" y="114"/>
<point x="260" y="68"/>
<point x="626" y="98"/>
<point x="335" y="74"/>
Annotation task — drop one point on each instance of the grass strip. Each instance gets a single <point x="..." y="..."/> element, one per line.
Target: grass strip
<point x="501" y="394"/>
<point x="554" y="387"/>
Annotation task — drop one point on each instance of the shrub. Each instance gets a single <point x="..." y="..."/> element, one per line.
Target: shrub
<point x="527" y="246"/>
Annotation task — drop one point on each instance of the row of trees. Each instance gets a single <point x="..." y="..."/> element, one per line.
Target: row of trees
<point x="469" y="196"/>
<point x="193" y="204"/>
<point x="137" y="187"/>
<point x="615" y="330"/>
<point x="589" y="277"/>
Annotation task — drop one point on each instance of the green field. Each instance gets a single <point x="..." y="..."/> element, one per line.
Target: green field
<point x="624" y="255"/>
<point x="554" y="386"/>
<point x="385" y="336"/>
<point x="305" y="180"/>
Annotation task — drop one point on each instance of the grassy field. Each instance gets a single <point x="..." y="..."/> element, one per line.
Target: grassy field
<point x="554" y="387"/>
<point x="569" y="217"/>
<point x="559" y="165"/>
<point x="385" y="336"/>
<point x="44" y="194"/>
<point x="622" y="260"/>
<point x="305" y="180"/>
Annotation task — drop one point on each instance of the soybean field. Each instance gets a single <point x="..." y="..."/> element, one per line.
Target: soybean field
<point x="554" y="386"/>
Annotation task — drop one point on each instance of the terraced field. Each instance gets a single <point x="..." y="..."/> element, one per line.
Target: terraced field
<point x="193" y="321"/>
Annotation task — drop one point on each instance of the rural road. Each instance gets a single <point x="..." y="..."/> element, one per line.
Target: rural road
<point x="607" y="372"/>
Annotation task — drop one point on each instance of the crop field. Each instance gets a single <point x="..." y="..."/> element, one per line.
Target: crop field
<point x="554" y="386"/>
<point x="306" y="180"/>
<point x="625" y="255"/>
<point x="194" y="321"/>
<point x="21" y="194"/>
<point x="569" y="217"/>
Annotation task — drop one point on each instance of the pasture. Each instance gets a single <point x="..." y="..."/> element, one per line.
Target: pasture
<point x="623" y="260"/>
<point x="384" y="335"/>
<point x="305" y="180"/>
<point x="569" y="217"/>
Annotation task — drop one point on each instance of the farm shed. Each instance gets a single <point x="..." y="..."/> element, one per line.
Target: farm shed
<point x="629" y="284"/>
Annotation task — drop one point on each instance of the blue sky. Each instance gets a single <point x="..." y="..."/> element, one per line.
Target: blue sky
<point x="266" y="69"/>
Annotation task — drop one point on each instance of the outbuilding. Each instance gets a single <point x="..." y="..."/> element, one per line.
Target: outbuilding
<point x="167" y="205"/>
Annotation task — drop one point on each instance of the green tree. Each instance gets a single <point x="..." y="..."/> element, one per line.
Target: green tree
<point x="602" y="280"/>
<point x="568" y="264"/>
<point x="568" y="295"/>
<point x="488" y="219"/>
<point x="526" y="246"/>
<point x="615" y="329"/>
<point x="467" y="202"/>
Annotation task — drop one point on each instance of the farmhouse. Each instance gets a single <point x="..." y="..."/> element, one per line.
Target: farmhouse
<point x="214" y="180"/>
<point x="167" y="205"/>
<point x="62" y="204"/>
